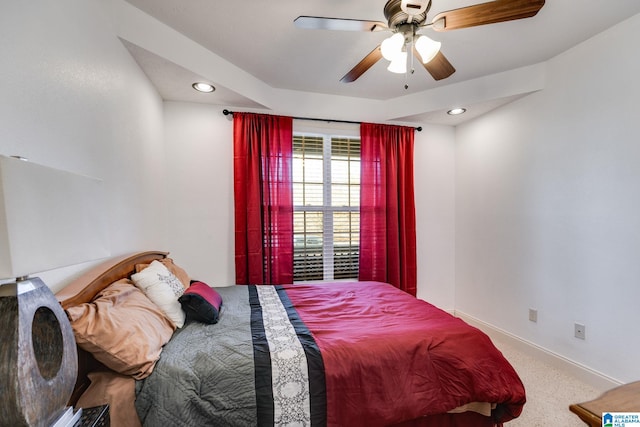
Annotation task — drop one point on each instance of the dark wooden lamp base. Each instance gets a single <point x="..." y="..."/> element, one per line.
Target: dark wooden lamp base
<point x="38" y="358"/>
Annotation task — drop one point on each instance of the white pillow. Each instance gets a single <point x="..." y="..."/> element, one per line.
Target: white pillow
<point x="163" y="288"/>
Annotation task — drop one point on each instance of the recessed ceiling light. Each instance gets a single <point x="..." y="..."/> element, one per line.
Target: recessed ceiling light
<point x="203" y="87"/>
<point x="456" y="111"/>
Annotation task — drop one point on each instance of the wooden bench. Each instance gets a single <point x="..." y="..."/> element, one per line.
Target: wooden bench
<point x="625" y="398"/>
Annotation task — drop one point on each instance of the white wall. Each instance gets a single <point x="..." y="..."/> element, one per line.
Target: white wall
<point x="199" y="140"/>
<point x="547" y="203"/>
<point x="434" y="175"/>
<point x="71" y="97"/>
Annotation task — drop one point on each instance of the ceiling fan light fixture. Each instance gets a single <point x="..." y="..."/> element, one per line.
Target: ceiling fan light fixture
<point x="392" y="46"/>
<point x="427" y="48"/>
<point x="399" y="63"/>
<point x="406" y="17"/>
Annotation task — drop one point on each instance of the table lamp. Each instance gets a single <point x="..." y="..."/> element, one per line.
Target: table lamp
<point x="49" y="219"/>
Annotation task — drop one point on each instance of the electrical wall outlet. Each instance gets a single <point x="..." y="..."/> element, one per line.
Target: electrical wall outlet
<point x="533" y="315"/>
<point x="579" y="331"/>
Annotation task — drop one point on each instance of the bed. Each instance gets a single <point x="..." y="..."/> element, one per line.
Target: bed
<point x="334" y="354"/>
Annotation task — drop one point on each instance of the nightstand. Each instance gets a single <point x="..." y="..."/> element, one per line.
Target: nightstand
<point x="98" y="416"/>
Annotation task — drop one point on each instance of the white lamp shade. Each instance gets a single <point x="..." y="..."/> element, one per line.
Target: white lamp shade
<point x="427" y="48"/>
<point x="49" y="218"/>
<point x="399" y="63"/>
<point x="392" y="46"/>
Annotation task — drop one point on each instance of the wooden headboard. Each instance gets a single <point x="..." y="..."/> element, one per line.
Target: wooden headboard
<point x="85" y="288"/>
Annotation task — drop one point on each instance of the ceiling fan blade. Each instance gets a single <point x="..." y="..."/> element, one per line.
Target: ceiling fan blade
<point x="320" y="23"/>
<point x="367" y="62"/>
<point x="439" y="67"/>
<point x="486" y="13"/>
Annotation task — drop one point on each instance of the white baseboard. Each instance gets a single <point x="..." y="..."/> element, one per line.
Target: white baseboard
<point x="595" y="379"/>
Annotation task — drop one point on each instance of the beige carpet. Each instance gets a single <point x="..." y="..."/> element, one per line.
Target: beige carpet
<point x="549" y="391"/>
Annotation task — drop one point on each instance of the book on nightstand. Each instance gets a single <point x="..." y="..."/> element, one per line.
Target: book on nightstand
<point x="97" y="416"/>
<point x="68" y="418"/>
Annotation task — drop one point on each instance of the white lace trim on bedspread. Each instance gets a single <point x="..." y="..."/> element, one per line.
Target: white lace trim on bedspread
<point x="290" y="375"/>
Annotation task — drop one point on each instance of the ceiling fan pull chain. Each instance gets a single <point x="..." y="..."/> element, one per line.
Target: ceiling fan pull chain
<point x="409" y="66"/>
<point x="406" y="76"/>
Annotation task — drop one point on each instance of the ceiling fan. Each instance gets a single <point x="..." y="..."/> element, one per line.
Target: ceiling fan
<point x="405" y="18"/>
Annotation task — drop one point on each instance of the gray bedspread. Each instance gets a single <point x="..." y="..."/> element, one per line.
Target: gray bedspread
<point x="261" y="365"/>
<point x="204" y="371"/>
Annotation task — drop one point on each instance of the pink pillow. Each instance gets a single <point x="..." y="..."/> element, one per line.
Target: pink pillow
<point x="201" y="302"/>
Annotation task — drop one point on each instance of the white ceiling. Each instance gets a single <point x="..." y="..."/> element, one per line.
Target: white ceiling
<point x="256" y="48"/>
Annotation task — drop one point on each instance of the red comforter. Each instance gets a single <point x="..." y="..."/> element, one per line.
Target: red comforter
<point x="390" y="357"/>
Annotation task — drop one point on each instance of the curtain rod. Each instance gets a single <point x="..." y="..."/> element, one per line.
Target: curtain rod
<point x="227" y="112"/>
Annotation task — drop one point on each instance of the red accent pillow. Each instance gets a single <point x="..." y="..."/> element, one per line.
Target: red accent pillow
<point x="201" y="302"/>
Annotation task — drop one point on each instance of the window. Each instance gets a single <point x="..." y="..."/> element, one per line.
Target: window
<point x="326" y="198"/>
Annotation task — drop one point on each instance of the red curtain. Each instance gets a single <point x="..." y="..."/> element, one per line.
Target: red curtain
<point x="387" y="206"/>
<point x="263" y="146"/>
